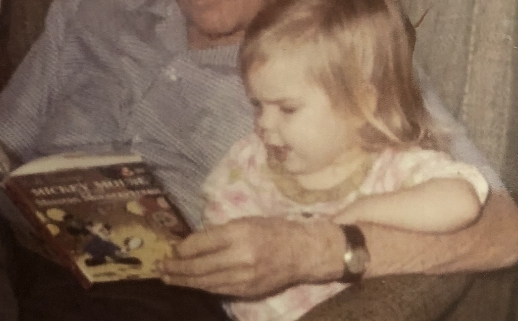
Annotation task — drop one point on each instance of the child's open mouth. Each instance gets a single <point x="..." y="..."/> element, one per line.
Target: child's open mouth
<point x="279" y="153"/>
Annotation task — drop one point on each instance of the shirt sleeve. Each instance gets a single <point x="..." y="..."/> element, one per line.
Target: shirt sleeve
<point x="418" y="166"/>
<point x="28" y="94"/>
<point x="229" y="190"/>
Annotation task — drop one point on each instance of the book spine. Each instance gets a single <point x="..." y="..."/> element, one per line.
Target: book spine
<point x="59" y="254"/>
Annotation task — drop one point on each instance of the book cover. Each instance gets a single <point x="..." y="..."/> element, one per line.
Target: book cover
<point x="106" y="218"/>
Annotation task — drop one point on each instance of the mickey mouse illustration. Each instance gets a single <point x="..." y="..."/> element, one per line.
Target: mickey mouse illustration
<point x="100" y="247"/>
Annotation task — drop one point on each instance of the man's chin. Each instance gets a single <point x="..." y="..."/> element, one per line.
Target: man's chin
<point x="214" y="34"/>
<point x="220" y="32"/>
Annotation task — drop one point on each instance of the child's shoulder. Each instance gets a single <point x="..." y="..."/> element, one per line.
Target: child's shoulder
<point x="399" y="162"/>
<point x="412" y="155"/>
<point x="394" y="168"/>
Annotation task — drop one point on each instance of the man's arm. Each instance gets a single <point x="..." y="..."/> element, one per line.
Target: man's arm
<point x="490" y="243"/>
<point x="255" y="255"/>
<point x="24" y="101"/>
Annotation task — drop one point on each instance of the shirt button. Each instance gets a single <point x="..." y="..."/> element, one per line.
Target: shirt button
<point x="171" y="73"/>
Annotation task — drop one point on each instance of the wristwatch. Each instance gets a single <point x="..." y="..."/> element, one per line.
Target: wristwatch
<point x="356" y="256"/>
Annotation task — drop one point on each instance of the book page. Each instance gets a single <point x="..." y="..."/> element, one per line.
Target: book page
<point x="72" y="160"/>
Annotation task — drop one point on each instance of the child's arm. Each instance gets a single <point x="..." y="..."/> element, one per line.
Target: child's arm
<point x="420" y="190"/>
<point x="438" y="205"/>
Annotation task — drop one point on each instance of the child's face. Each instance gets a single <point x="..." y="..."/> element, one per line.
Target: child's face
<point x="296" y="120"/>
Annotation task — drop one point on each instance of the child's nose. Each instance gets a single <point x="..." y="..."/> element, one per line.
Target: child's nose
<point x="268" y="119"/>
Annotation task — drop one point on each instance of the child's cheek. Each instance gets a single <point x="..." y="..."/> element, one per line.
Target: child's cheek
<point x="258" y="130"/>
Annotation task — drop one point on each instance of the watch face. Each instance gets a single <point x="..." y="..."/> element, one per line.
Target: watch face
<point x="358" y="261"/>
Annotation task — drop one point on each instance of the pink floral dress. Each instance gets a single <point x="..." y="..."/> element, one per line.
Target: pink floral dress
<point x="241" y="186"/>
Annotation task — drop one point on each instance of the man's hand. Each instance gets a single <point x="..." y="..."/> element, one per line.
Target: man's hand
<point x="254" y="256"/>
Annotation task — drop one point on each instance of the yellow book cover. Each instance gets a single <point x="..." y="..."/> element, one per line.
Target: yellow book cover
<point x="106" y="217"/>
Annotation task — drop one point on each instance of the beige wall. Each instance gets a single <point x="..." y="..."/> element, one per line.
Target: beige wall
<point x="467" y="49"/>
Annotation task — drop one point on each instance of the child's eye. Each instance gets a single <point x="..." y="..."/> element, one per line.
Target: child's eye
<point x="288" y="110"/>
<point x="256" y="105"/>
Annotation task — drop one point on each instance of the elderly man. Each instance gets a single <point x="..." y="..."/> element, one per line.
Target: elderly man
<point x="159" y="78"/>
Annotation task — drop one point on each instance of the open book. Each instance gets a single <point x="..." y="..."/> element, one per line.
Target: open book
<point x="106" y="217"/>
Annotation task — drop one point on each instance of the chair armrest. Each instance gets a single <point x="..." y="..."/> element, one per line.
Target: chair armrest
<point x="394" y="298"/>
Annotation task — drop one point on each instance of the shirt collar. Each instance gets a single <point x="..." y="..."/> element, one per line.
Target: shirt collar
<point x="172" y="18"/>
<point x="162" y="8"/>
<point x="220" y="56"/>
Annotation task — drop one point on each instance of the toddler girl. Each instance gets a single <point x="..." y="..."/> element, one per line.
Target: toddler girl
<point x="341" y="134"/>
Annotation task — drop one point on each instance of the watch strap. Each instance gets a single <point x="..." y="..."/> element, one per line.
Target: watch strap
<point x="354" y="241"/>
<point x="353" y="236"/>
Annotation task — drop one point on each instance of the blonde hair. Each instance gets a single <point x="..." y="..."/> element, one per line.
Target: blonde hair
<point x="357" y="47"/>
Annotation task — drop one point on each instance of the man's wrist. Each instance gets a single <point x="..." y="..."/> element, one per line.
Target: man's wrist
<point x="322" y="252"/>
<point x="356" y="256"/>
